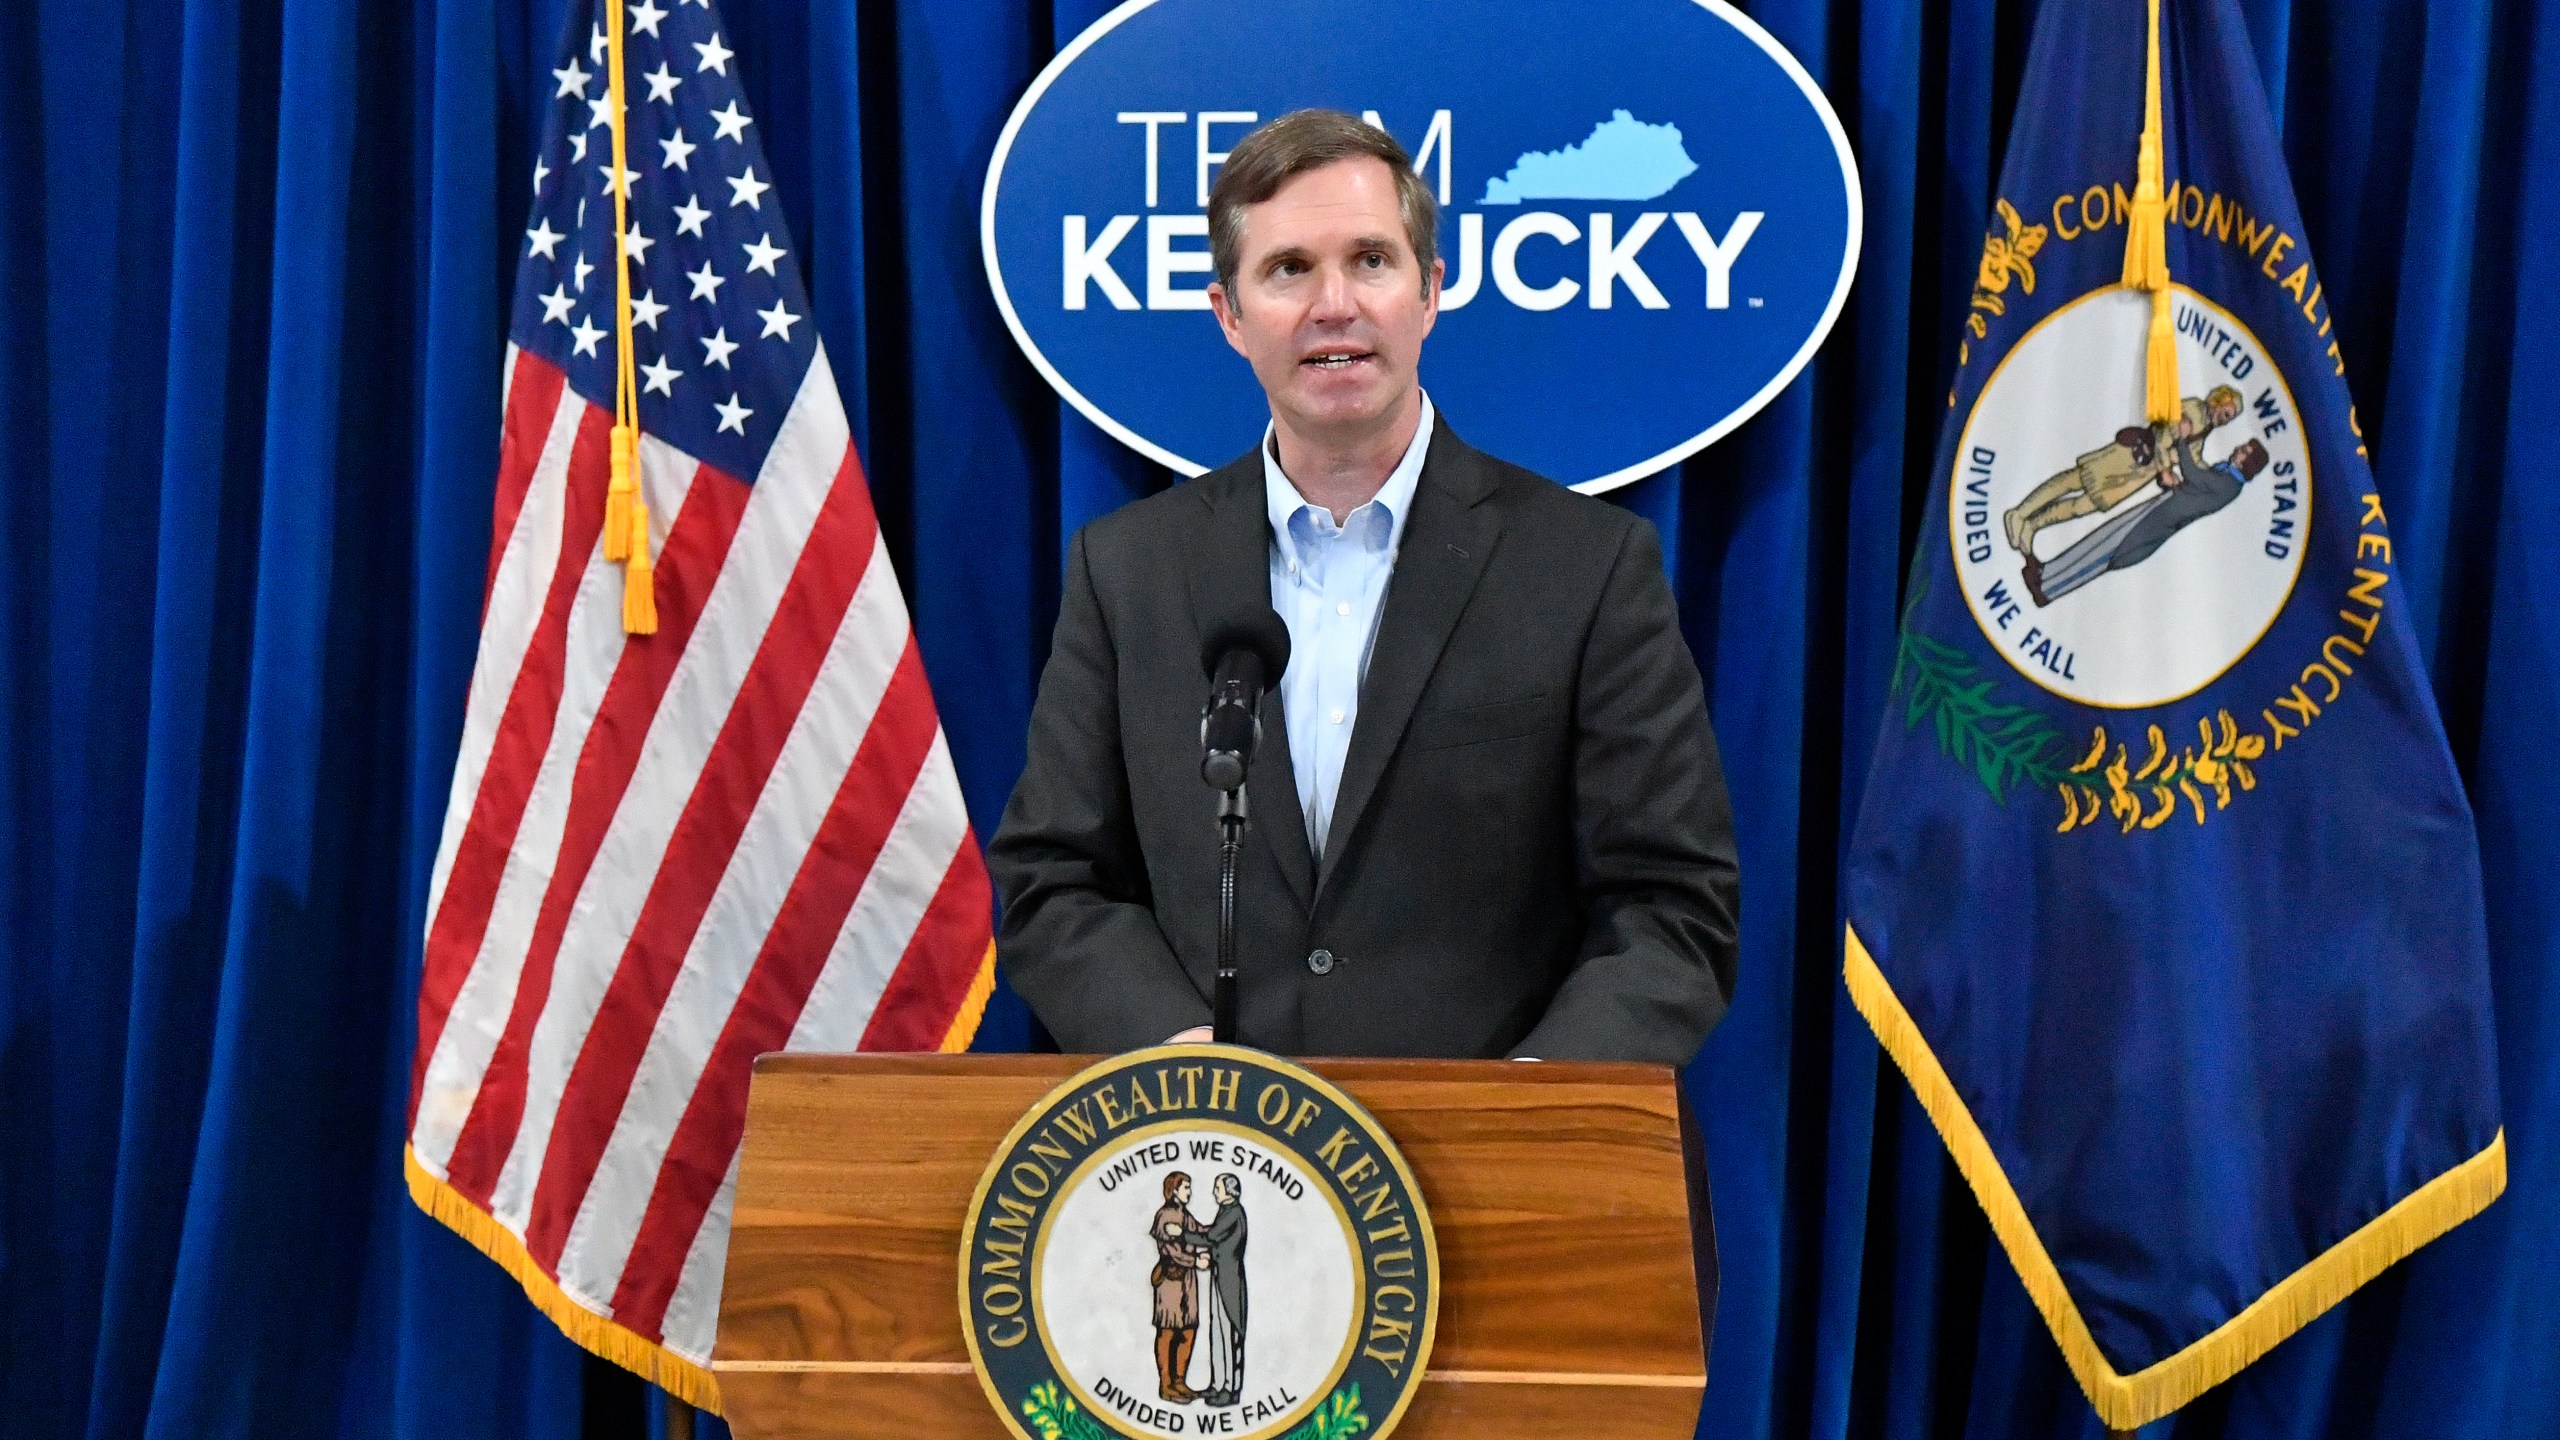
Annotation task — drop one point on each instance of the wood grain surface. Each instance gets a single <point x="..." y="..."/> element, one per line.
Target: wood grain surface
<point x="1561" y="1196"/>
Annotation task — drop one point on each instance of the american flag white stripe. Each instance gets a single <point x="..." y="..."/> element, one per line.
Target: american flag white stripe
<point x="921" y="847"/>
<point x="687" y="567"/>
<point x="594" y="648"/>
<point x="787" y="815"/>
<point x="514" y="606"/>
<point x="680" y="736"/>
<point x="665" y="852"/>
<point x="693" y="1313"/>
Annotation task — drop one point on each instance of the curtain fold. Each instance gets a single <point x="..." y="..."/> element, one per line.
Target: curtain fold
<point x="257" y="255"/>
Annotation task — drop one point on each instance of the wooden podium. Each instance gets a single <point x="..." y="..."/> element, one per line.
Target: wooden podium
<point x="1577" y="1261"/>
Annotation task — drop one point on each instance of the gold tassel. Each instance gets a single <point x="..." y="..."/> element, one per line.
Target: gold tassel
<point x="2160" y="368"/>
<point x="2146" y="247"/>
<point x="618" y="496"/>
<point x="626" y="508"/>
<point x="639" y="588"/>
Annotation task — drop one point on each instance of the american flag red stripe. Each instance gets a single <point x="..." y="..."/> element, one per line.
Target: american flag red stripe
<point x="524" y="731"/>
<point x="857" y="829"/>
<point x="697" y="856"/>
<point x="523" y="430"/>
<point x="697" y="546"/>
<point x="667" y="854"/>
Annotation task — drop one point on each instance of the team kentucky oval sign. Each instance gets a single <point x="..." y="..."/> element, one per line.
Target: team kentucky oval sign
<point x="1649" y="212"/>
<point x="1198" y="1241"/>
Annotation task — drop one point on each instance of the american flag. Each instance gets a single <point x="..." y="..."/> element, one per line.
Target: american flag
<point x="666" y="854"/>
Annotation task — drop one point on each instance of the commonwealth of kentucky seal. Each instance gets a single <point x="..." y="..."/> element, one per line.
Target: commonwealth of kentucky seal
<point x="2113" y="562"/>
<point x="1198" y="1240"/>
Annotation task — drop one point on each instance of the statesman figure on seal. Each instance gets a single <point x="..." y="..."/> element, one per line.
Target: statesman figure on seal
<point x="1223" y="1313"/>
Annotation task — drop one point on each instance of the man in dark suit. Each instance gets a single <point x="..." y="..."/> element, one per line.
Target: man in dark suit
<point x="1497" y="825"/>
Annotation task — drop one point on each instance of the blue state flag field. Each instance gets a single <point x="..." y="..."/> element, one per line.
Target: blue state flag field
<point x="2164" y="893"/>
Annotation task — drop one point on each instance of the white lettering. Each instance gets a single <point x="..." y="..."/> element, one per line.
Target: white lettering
<point x="1506" y="261"/>
<point x="1612" y="263"/>
<point x="1093" y="263"/>
<point x="1469" y="267"/>
<point x="1152" y="119"/>
<point x="1435" y="139"/>
<point x="1718" y="255"/>
<point x="1209" y="157"/>
<point x="1164" y="262"/>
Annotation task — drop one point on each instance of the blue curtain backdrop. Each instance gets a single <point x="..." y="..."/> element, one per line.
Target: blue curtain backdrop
<point x="256" y="255"/>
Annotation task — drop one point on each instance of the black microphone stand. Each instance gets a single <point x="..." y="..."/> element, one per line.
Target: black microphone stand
<point x="1244" y="658"/>
<point x="1231" y="822"/>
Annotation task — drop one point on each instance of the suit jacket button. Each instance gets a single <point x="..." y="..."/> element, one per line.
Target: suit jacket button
<point x="1320" y="961"/>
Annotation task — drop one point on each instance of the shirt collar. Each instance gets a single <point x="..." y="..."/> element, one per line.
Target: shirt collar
<point x="1282" y="500"/>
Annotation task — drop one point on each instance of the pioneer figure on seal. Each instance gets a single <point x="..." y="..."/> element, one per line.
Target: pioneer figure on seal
<point x="2105" y="477"/>
<point x="1181" y="1254"/>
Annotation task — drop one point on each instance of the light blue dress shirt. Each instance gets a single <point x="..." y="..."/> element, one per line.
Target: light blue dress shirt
<point x="1329" y="584"/>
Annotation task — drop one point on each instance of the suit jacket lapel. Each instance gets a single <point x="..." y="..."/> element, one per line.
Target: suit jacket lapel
<point x="1445" y="545"/>
<point x="1231" y="575"/>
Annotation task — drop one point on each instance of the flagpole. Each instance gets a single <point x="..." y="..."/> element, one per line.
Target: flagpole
<point x="679" y="1418"/>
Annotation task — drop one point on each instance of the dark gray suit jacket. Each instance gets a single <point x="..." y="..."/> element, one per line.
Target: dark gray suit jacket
<point x="1531" y="852"/>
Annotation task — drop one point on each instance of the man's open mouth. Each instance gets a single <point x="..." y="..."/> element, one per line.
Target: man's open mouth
<point x="1337" y="359"/>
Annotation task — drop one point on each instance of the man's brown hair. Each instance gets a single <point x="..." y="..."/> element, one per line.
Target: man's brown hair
<point x="1173" y="1182"/>
<point x="1289" y="147"/>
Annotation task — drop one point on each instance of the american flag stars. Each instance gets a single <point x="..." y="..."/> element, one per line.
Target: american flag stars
<point x="732" y="287"/>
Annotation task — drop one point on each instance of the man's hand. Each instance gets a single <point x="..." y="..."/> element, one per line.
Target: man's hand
<point x="1196" y="1035"/>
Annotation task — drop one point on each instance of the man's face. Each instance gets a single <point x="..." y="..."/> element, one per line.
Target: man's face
<point x="1182" y="1193"/>
<point x="1329" y="305"/>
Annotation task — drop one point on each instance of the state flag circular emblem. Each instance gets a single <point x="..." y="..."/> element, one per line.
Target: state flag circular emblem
<point x="1198" y="1240"/>
<point x="2114" y="562"/>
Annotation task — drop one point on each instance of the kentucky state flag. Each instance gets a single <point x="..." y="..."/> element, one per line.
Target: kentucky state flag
<point x="2164" y="894"/>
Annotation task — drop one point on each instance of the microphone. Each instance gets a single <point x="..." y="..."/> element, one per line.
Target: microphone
<point x="1243" y="656"/>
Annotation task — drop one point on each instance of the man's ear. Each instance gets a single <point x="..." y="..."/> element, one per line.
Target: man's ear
<point x="1223" y="306"/>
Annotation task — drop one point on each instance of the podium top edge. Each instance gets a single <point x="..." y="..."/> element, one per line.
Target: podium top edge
<point x="1347" y="1068"/>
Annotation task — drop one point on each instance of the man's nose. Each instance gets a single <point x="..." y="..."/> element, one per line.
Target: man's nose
<point x="1333" y="296"/>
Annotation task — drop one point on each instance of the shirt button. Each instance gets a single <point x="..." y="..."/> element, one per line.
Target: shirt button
<point x="1337" y="714"/>
<point x="1342" y="607"/>
<point x="1320" y="961"/>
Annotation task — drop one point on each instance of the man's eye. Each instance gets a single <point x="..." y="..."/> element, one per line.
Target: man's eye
<point x="1374" y="260"/>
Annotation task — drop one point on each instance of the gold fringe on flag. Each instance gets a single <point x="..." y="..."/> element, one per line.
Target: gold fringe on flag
<point x="625" y="1347"/>
<point x="626" y="510"/>
<point x="973" y="1004"/>
<point x="2129" y="1402"/>
<point x="2146" y="247"/>
<point x="692" y="1383"/>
